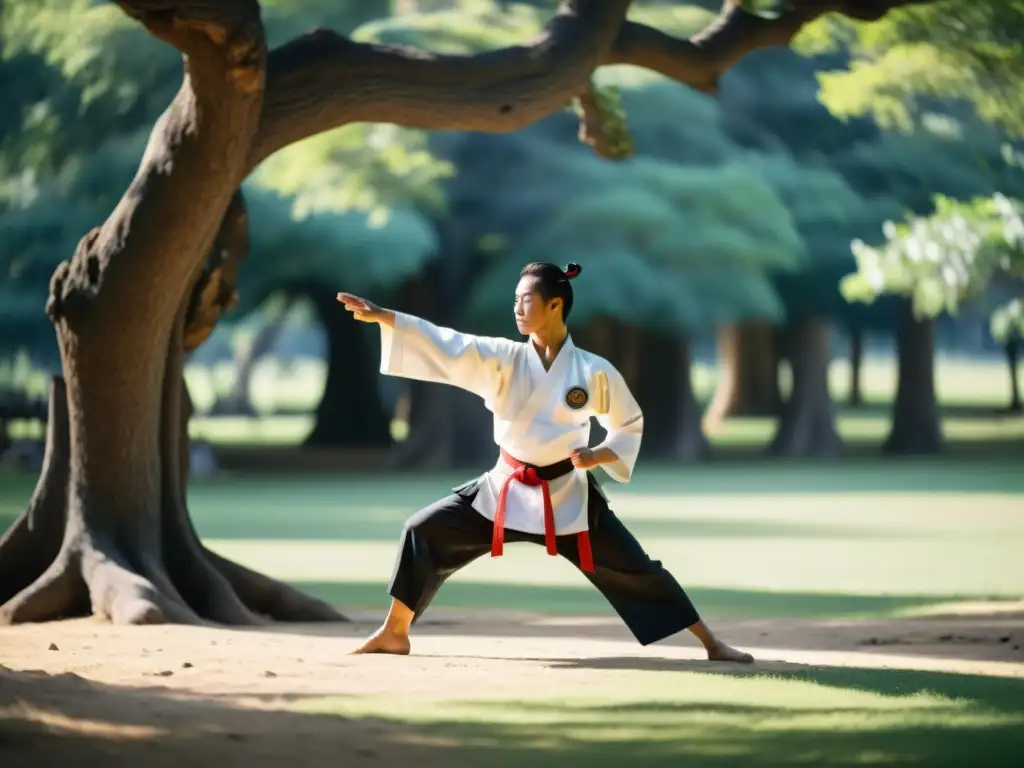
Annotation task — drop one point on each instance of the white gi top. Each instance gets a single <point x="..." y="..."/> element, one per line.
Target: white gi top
<point x="539" y="415"/>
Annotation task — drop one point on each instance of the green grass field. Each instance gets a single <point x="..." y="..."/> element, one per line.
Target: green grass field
<point x="668" y="718"/>
<point x="971" y="390"/>
<point x="759" y="540"/>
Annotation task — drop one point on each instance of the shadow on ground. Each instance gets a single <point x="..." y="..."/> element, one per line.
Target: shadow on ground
<point x="910" y="718"/>
<point x="716" y="603"/>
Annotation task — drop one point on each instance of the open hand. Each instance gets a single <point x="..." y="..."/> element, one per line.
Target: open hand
<point x="361" y="309"/>
<point x="583" y="458"/>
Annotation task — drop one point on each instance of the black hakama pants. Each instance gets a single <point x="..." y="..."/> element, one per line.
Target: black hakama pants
<point x="448" y="535"/>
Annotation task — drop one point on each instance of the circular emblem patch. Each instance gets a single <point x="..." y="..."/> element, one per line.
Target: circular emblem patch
<point x="576" y="397"/>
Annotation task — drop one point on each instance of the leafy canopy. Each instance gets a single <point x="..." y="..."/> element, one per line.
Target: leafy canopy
<point x="663" y="246"/>
<point x="959" y="49"/>
<point x="946" y="259"/>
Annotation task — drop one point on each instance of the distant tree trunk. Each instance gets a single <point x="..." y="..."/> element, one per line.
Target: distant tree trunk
<point x="629" y="343"/>
<point x="916" y="429"/>
<point x="599" y="337"/>
<point x="749" y="380"/>
<point x="856" y="398"/>
<point x="807" y="426"/>
<point x="350" y="413"/>
<point x="239" y="400"/>
<point x="664" y="390"/>
<point x="1012" y="350"/>
<point x="448" y="428"/>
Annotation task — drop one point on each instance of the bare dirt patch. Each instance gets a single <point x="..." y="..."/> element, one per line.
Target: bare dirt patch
<point x="87" y="693"/>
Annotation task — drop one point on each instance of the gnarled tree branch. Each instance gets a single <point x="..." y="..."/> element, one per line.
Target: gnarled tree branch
<point x="699" y="61"/>
<point x="322" y="80"/>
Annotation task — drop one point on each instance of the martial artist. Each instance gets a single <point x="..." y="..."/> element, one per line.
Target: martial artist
<point x="543" y="393"/>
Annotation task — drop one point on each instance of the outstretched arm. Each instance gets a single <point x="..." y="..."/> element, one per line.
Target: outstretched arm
<point x="414" y="348"/>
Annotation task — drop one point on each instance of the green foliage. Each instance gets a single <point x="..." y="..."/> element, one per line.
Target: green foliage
<point x="346" y="251"/>
<point x="946" y="259"/>
<point x="77" y="72"/>
<point x="613" y="120"/>
<point x="41" y="229"/>
<point x="468" y="27"/>
<point x="33" y="241"/>
<point x="662" y="247"/>
<point x="963" y="49"/>
<point x="363" y="167"/>
<point x="678" y="19"/>
<point x="827" y="212"/>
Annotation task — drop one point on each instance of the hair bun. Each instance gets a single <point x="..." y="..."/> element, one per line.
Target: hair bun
<point x="572" y="271"/>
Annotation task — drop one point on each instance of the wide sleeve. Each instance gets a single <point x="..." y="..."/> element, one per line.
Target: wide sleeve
<point x="621" y="416"/>
<point x="417" y="349"/>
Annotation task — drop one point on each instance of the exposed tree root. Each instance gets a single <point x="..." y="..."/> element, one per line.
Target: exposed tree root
<point x="123" y="596"/>
<point x="58" y="593"/>
<point x="29" y="546"/>
<point x="53" y="566"/>
<point x="272" y="598"/>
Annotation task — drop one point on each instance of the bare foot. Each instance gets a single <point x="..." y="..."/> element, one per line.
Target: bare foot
<point x="385" y="641"/>
<point x="723" y="652"/>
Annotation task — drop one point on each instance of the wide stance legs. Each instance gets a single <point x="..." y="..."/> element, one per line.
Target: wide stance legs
<point x="448" y="535"/>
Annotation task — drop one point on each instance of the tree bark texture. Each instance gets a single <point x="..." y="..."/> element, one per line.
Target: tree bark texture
<point x="916" y="429"/>
<point x="749" y="365"/>
<point x="807" y="427"/>
<point x="151" y="281"/>
<point x="350" y="413"/>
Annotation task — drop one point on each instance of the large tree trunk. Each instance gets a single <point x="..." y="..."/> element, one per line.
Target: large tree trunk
<point x="916" y="429"/>
<point x="807" y="426"/>
<point x="350" y="413"/>
<point x="749" y="381"/>
<point x="1012" y="350"/>
<point x="856" y="397"/>
<point x="672" y="416"/>
<point x="107" y="530"/>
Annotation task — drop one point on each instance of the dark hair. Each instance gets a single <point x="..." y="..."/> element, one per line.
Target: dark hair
<point x="553" y="282"/>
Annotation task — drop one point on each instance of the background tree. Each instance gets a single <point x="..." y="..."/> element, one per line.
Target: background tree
<point x="940" y="262"/>
<point x="312" y="257"/>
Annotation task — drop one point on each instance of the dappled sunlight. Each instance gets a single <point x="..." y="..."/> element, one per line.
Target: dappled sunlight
<point x="56" y="723"/>
<point x="706" y="716"/>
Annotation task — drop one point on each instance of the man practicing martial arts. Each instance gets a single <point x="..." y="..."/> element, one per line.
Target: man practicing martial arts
<point x="542" y="393"/>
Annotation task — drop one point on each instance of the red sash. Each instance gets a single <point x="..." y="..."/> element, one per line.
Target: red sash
<point x="537" y="476"/>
